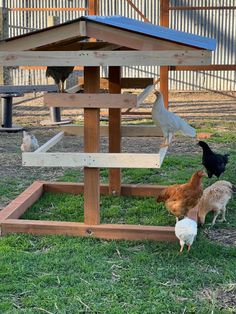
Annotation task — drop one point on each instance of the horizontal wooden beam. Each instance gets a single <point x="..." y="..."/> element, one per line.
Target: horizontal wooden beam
<point x="39" y="39"/>
<point x="104" y="58"/>
<point x="46" y="9"/>
<point x="32" y="67"/>
<point x="90" y="100"/>
<point x="210" y="67"/>
<point x="49" y="144"/>
<point x="145" y="190"/>
<point x="19" y="205"/>
<point x="91" y="160"/>
<point x="126" y="82"/>
<point x="104" y="231"/>
<point x="186" y="8"/>
<point x="126" y="130"/>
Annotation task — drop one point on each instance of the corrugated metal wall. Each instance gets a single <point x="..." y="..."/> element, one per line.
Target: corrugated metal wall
<point x="219" y="24"/>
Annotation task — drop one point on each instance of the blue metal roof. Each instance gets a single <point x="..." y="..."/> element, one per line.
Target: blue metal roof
<point x="154" y="31"/>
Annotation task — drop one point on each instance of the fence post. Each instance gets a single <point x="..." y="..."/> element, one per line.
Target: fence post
<point x="93" y="7"/>
<point x="4" y="72"/>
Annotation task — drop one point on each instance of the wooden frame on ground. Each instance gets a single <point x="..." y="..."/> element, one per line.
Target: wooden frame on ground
<point x="10" y="222"/>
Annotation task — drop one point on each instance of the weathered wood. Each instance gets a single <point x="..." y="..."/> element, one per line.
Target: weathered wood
<point x="126" y="130"/>
<point x="91" y="160"/>
<point x="33" y="40"/>
<point x="126" y="82"/>
<point x="114" y="128"/>
<point x="49" y="144"/>
<point x="4" y="26"/>
<point x="19" y="205"/>
<point x="88" y="100"/>
<point x="104" y="231"/>
<point x="91" y="144"/>
<point x="147" y="91"/>
<point x="210" y="67"/>
<point x="101" y="58"/>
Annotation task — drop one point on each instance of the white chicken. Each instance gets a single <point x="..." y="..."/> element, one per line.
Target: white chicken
<point x="186" y="231"/>
<point x="168" y="121"/>
<point x="215" y="198"/>
<point x="30" y="143"/>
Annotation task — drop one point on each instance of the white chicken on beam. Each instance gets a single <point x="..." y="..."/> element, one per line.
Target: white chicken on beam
<point x="168" y="121"/>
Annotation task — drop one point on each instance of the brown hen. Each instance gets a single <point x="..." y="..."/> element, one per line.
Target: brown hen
<point x="180" y="198"/>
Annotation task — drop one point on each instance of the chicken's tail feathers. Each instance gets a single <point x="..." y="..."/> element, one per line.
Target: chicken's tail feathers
<point x="162" y="194"/>
<point x="226" y="158"/>
<point x="233" y="188"/>
<point x="187" y="129"/>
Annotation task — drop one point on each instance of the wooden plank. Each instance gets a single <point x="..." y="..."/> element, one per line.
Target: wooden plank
<point x="114" y="129"/>
<point x="210" y="67"/>
<point x="91" y="160"/>
<point x="27" y="89"/>
<point x="102" y="58"/>
<point x="19" y="205"/>
<point x="164" y="21"/>
<point x="126" y="130"/>
<point x="103" y="231"/>
<point x="88" y="100"/>
<point x="47" y="9"/>
<point x="142" y="96"/>
<point x="49" y="144"/>
<point x="91" y="145"/>
<point x="41" y="38"/>
<point x="126" y="82"/>
<point x="145" y="190"/>
<point x="93" y="7"/>
<point x="130" y="39"/>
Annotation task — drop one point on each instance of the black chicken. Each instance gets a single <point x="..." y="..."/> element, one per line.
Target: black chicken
<point x="214" y="163"/>
<point x="59" y="74"/>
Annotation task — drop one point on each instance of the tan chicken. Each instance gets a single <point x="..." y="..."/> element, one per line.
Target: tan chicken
<point x="180" y="198"/>
<point x="215" y="198"/>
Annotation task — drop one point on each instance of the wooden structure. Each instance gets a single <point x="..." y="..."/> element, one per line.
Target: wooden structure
<point x="120" y="41"/>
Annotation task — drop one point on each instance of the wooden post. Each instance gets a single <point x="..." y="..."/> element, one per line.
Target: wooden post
<point x="93" y="7"/>
<point x="164" y="21"/>
<point x="91" y="145"/>
<point x="114" y="130"/>
<point x="4" y="72"/>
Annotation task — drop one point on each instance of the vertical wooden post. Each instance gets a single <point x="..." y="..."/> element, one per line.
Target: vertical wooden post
<point x="115" y="129"/>
<point x="4" y="25"/>
<point x="164" y="21"/>
<point x="93" y="7"/>
<point x="91" y="145"/>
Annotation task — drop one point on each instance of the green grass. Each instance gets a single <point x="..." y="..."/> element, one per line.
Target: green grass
<point x="58" y="274"/>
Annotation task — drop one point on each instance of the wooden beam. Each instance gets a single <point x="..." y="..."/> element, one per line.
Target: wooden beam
<point x="103" y="231"/>
<point x="126" y="82"/>
<point x="93" y="7"/>
<point x="90" y="100"/>
<point x="130" y="39"/>
<point x="49" y="144"/>
<point x="138" y="11"/>
<point x="164" y="21"/>
<point x="142" y="96"/>
<point x="102" y="58"/>
<point x="114" y="128"/>
<point x="44" y="37"/>
<point x="210" y="67"/>
<point x="27" y="89"/>
<point x="46" y="9"/>
<point x="91" y="160"/>
<point x="145" y="190"/>
<point x="91" y="145"/>
<point x="126" y="130"/>
<point x="19" y="205"/>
